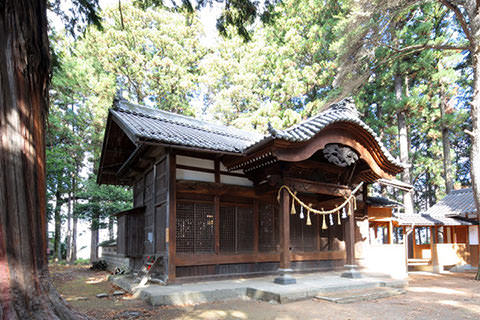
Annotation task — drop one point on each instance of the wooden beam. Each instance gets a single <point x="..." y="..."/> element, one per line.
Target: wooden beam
<point x="209" y="259"/>
<point x="211" y="188"/>
<point x="206" y="259"/>
<point x="308" y="186"/>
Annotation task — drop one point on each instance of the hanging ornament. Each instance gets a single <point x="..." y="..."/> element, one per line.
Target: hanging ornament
<point x="354" y="203"/>
<point x="330" y="218"/>
<point x="350" y="207"/>
<point x="339" y="222"/>
<point x="324" y="223"/>
<point x="301" y="212"/>
<point x="309" y="222"/>
<point x="344" y="213"/>
<point x="293" y="211"/>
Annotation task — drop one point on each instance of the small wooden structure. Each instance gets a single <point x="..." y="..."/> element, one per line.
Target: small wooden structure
<point x="207" y="200"/>
<point x="444" y="235"/>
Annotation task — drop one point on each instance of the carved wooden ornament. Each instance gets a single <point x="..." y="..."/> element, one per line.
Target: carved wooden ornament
<point x="340" y="155"/>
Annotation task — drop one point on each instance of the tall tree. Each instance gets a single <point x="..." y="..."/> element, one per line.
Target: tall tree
<point x="25" y="289"/>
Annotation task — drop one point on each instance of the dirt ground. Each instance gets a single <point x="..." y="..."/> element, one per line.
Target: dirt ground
<point x="446" y="296"/>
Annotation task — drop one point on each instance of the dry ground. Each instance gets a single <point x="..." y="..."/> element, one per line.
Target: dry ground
<point x="447" y="296"/>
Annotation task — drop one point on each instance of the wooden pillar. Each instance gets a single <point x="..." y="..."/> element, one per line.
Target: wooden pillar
<point x="216" y="225"/>
<point x="318" y="244"/>
<point x="350" y="246"/>
<point x="256" y="226"/>
<point x="414" y="243"/>
<point x="284" y="221"/>
<point x="284" y="231"/>
<point x="172" y="216"/>
<point x="350" y="238"/>
<point x="390" y="232"/>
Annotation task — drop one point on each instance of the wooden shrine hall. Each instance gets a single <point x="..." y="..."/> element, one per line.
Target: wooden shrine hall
<point x="216" y="201"/>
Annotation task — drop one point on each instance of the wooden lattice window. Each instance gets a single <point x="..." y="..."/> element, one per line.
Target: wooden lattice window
<point x="267" y="225"/>
<point x="302" y="237"/>
<point x="236" y="229"/>
<point x="195" y="227"/>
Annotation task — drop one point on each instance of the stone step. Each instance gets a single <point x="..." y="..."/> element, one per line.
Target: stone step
<point x="361" y="295"/>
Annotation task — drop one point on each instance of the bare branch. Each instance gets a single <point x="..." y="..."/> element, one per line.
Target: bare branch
<point x="470" y="133"/>
<point x="461" y="20"/>
<point x="419" y="47"/>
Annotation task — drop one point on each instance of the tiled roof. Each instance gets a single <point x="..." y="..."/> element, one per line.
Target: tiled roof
<point x="450" y="211"/>
<point x="145" y="123"/>
<point x="343" y="111"/>
<point x="456" y="203"/>
<point x="382" y="202"/>
<point x="150" y="124"/>
<point x="427" y="220"/>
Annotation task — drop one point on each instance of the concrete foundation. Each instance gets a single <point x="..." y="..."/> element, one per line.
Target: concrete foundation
<point x="307" y="286"/>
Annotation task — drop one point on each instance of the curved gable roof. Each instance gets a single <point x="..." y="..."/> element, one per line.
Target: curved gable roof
<point x="343" y="111"/>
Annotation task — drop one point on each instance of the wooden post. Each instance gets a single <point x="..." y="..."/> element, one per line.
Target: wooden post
<point x="350" y="246"/>
<point x="350" y="239"/>
<point x="317" y="232"/>
<point x="433" y="249"/>
<point x="216" y="224"/>
<point x="284" y="231"/>
<point x="390" y="232"/>
<point x="284" y="221"/>
<point x="256" y="224"/>
<point x="172" y="216"/>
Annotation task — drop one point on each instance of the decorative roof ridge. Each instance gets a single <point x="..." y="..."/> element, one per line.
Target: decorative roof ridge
<point x="345" y="105"/>
<point x="119" y="106"/>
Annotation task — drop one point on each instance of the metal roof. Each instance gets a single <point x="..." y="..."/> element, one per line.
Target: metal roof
<point x="148" y="124"/>
<point x="456" y="203"/>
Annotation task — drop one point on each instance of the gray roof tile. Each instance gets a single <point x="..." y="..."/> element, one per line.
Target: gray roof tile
<point x="157" y="125"/>
<point x="450" y="211"/>
<point x="343" y="111"/>
<point x="456" y="203"/>
<point x="146" y="123"/>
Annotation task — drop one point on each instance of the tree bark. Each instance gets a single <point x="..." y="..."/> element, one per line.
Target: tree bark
<point x="111" y="221"/>
<point x="475" y="134"/>
<point x="403" y="144"/>
<point x="94" y="238"/>
<point x="57" y="241"/>
<point x="68" y="237"/>
<point x="447" y="161"/>
<point x="25" y="289"/>
<point x="73" y="257"/>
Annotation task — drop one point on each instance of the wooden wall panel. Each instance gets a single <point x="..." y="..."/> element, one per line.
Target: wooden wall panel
<point x="121" y="235"/>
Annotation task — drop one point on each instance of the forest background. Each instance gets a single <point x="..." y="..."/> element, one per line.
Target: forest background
<point x="283" y="68"/>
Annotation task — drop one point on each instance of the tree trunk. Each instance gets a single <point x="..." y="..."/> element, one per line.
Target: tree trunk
<point x="111" y="221"/>
<point x="403" y="144"/>
<point x="57" y="241"/>
<point x="94" y="238"/>
<point x="475" y="136"/>
<point x="447" y="161"/>
<point x="73" y="257"/>
<point x="25" y="289"/>
<point x="68" y="238"/>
